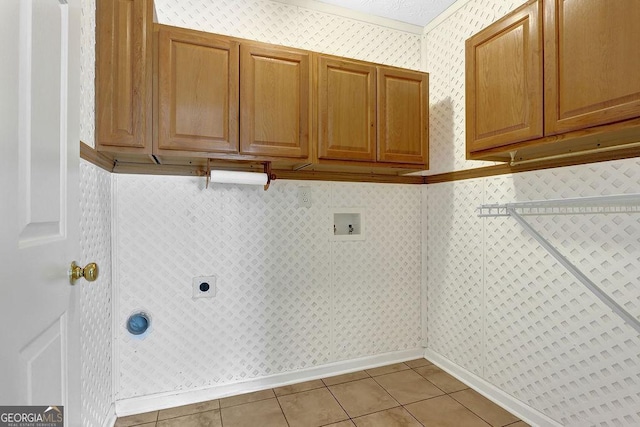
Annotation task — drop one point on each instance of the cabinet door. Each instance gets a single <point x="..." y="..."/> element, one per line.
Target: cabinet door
<point x="274" y="95"/>
<point x="346" y="110"/>
<point x="504" y="92"/>
<point x="197" y="92"/>
<point x="592" y="60"/>
<point x="403" y="116"/>
<point x="123" y="75"/>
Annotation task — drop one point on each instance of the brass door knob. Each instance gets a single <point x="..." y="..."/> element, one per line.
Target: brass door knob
<point x="90" y="272"/>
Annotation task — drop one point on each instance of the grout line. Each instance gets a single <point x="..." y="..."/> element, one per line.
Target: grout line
<point x="445" y="393"/>
<point x="282" y="410"/>
<point x="403" y="406"/>
<point x="377" y="412"/>
<point x="412" y="416"/>
<point x="336" y="399"/>
<point x="471" y="410"/>
<point x="301" y="391"/>
<point x="439" y="388"/>
<point x="385" y="390"/>
<point x="349" y="381"/>
<point x="187" y="415"/>
<point x="253" y="401"/>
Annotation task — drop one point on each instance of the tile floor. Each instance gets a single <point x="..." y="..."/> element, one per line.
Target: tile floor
<point x="414" y="393"/>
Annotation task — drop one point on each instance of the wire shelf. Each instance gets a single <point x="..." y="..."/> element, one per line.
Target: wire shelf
<point x="614" y="204"/>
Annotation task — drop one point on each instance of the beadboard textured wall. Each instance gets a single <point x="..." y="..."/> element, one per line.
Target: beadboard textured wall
<point x="501" y="307"/>
<point x="95" y="298"/>
<point x="95" y="244"/>
<point x="288" y="297"/>
<point x="498" y="305"/>
<point x="87" y="72"/>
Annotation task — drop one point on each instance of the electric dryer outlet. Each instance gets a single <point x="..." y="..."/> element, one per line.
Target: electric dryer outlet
<point x="204" y="286"/>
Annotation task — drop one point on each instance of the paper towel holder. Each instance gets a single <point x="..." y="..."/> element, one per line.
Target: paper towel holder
<point x="240" y="177"/>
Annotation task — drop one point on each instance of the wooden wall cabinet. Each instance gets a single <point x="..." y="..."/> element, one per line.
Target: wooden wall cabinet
<point x="504" y="91"/>
<point x="275" y="101"/>
<point x="370" y="113"/>
<point x="197" y="94"/>
<point x="123" y="76"/>
<point x="403" y="116"/>
<point x="179" y="97"/>
<point x="579" y="99"/>
<point x="346" y="110"/>
<point x="217" y="95"/>
<point x="592" y="63"/>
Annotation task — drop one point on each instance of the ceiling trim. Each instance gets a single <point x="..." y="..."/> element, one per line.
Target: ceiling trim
<point x="358" y="16"/>
<point x="444" y="15"/>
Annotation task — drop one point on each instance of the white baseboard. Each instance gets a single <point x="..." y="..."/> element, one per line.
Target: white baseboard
<point x="493" y="393"/>
<point x="137" y="405"/>
<point x="110" y="417"/>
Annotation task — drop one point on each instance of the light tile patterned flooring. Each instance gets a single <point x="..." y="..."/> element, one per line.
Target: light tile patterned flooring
<point x="414" y="393"/>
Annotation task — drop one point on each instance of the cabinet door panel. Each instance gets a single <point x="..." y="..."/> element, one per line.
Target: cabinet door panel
<point x="504" y="81"/>
<point x="197" y="92"/>
<point x="123" y="75"/>
<point x="274" y="95"/>
<point x="347" y="110"/>
<point x="591" y="63"/>
<point x="403" y="124"/>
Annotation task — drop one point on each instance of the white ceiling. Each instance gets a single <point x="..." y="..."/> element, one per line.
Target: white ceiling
<point x="416" y="12"/>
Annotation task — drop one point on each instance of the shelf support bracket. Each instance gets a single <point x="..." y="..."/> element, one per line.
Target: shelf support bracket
<point x="602" y="296"/>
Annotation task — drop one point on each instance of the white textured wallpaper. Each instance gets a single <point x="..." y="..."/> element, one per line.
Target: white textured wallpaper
<point x="498" y="304"/>
<point x="416" y="12"/>
<point x="95" y="298"/>
<point x="288" y="297"/>
<point x="88" y="72"/>
<point x="502" y="307"/>
<point x="541" y="319"/>
<point x="294" y="26"/>
<point x="454" y="276"/>
<point x="95" y="244"/>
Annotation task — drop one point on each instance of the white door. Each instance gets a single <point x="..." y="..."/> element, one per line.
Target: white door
<point x="39" y="150"/>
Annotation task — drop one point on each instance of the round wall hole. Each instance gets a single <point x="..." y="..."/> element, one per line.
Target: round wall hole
<point x="204" y="287"/>
<point x="138" y="323"/>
